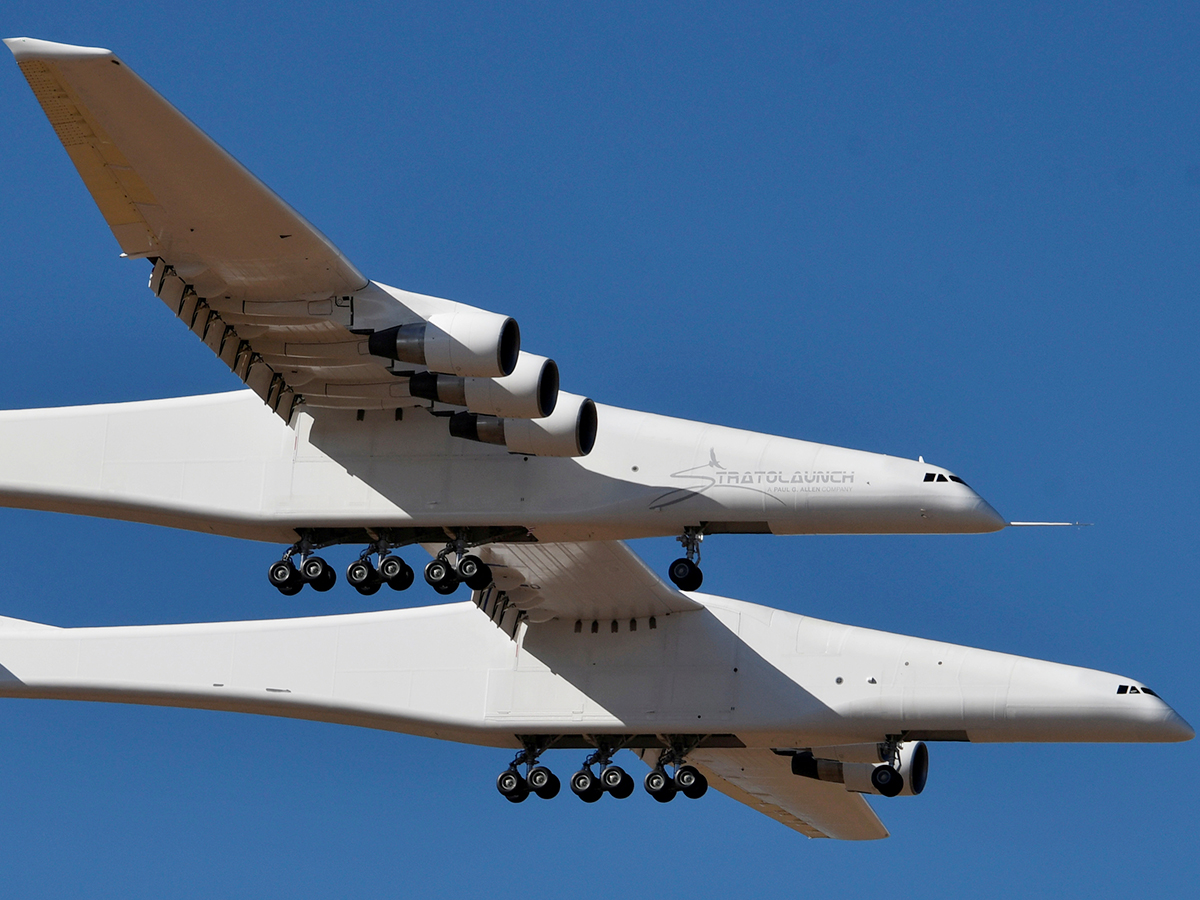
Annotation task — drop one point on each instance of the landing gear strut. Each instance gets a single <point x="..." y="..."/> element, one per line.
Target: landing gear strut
<point x="685" y="571"/>
<point x="613" y="779"/>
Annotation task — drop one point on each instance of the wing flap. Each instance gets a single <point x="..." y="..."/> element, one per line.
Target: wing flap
<point x="764" y="781"/>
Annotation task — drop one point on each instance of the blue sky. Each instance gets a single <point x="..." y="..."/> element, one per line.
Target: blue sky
<point x="956" y="231"/>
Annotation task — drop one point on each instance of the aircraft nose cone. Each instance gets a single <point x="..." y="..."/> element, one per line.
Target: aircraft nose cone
<point x="1176" y="728"/>
<point x="988" y="517"/>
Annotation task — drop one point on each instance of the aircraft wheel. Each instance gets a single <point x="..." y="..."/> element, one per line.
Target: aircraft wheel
<point x="685" y="574"/>
<point x="690" y="782"/>
<point x="512" y="786"/>
<point x="404" y="580"/>
<point x="659" y="786"/>
<point x="326" y="580"/>
<point x="887" y="781"/>
<point x="586" y="786"/>
<point x="282" y="573"/>
<point x="396" y="572"/>
<point x="617" y="782"/>
<point x="371" y="587"/>
<point x="361" y="574"/>
<point x="447" y="587"/>
<point x="313" y="568"/>
<point x="543" y="782"/>
<point x="474" y="572"/>
<point x="437" y="572"/>
<point x="292" y="588"/>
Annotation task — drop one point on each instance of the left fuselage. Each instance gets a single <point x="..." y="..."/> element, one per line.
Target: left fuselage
<point x="225" y="464"/>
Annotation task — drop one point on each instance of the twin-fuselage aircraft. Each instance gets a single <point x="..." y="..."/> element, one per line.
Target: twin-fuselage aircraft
<point x="383" y="419"/>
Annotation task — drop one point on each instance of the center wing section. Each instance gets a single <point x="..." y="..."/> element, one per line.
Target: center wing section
<point x="763" y="780"/>
<point x="592" y="582"/>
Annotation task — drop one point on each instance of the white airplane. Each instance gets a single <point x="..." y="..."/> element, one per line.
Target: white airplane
<point x="378" y="416"/>
<point x="388" y="418"/>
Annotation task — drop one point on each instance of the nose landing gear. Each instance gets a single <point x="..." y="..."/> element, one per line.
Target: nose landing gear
<point x="685" y="571"/>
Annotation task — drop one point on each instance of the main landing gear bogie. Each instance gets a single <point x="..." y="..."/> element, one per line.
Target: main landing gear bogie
<point x="470" y="570"/>
<point x="290" y="580"/>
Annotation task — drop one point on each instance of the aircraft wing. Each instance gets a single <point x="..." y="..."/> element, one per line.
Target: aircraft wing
<point x="600" y="581"/>
<point x="764" y="781"/>
<point x="256" y="282"/>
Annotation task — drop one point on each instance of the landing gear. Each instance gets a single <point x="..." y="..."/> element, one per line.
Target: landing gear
<point x="392" y="571"/>
<point x="688" y="780"/>
<point x="543" y="782"/>
<point x="512" y="786"/>
<point x="396" y="573"/>
<point x="289" y="578"/>
<point x="691" y="782"/>
<point x="538" y="779"/>
<point x="887" y="781"/>
<point x="586" y="786"/>
<point x="441" y="576"/>
<point x="617" y="781"/>
<point x="469" y="570"/>
<point x="660" y="786"/>
<point x="685" y="571"/>
<point x="284" y="576"/>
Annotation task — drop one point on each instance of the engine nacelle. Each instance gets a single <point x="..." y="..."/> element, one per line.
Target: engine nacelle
<point x="466" y="342"/>
<point x="569" y="431"/>
<point x="530" y="392"/>
<point x="855" y="766"/>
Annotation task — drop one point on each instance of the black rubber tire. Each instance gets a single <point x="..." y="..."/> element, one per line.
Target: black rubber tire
<point x="887" y="781"/>
<point x="481" y="579"/>
<point x="474" y="572"/>
<point x="361" y="573"/>
<point x="690" y="782"/>
<point x="438" y="571"/>
<point x="325" y="581"/>
<point x="404" y="580"/>
<point x="313" y="568"/>
<point x="282" y="572"/>
<point x="620" y="787"/>
<point x="368" y="589"/>
<point x="517" y="798"/>
<point x="447" y="587"/>
<point x="586" y="786"/>
<point x="685" y="574"/>
<point x="292" y="588"/>
<point x="543" y="782"/>
<point x="658" y="784"/>
<point x="510" y="784"/>
<point x="390" y="567"/>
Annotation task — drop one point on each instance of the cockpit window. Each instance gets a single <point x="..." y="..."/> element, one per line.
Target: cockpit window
<point x="1147" y="690"/>
<point x="938" y="476"/>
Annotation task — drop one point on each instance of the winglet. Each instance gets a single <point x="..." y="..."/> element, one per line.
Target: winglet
<point x="24" y="48"/>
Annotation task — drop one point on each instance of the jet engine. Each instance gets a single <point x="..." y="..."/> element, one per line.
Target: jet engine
<point x="530" y="392"/>
<point x="569" y="431"/>
<point x="861" y="768"/>
<point x="466" y="342"/>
